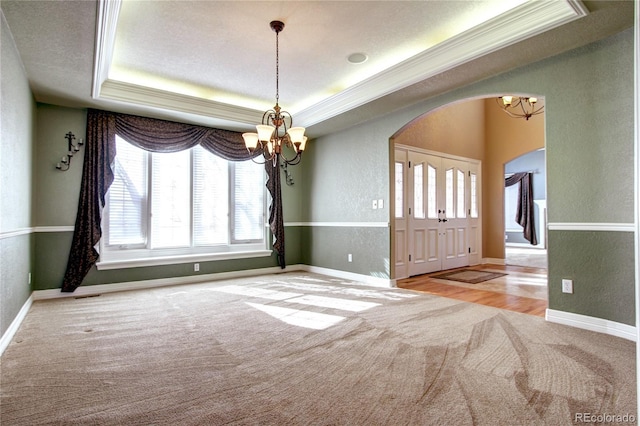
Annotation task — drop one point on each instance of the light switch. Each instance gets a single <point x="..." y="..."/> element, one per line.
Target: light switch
<point x="380" y="203"/>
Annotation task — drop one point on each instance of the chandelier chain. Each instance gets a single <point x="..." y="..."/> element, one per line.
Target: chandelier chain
<point x="277" y="69"/>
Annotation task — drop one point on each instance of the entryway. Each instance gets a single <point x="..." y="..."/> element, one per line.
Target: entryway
<point x="437" y="211"/>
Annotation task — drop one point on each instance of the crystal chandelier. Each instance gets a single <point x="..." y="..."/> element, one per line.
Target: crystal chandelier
<point x="276" y="130"/>
<point x="518" y="107"/>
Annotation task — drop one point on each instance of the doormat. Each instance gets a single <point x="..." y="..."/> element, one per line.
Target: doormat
<point x="468" y="276"/>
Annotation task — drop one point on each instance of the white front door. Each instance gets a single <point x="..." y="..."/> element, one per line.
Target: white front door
<point x="436" y="213"/>
<point x="454" y="226"/>
<point x="425" y="213"/>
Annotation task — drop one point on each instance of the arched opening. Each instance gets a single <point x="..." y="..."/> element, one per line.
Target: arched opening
<point x="476" y="131"/>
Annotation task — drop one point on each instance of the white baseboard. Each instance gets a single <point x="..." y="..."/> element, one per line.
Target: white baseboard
<point x="365" y="279"/>
<point x="93" y="290"/>
<point x="15" y="325"/>
<point x="591" y="323"/>
<point x="493" y="261"/>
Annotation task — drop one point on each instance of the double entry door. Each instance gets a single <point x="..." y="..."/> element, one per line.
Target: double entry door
<point x="438" y="222"/>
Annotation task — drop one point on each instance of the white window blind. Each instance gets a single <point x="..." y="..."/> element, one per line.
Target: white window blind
<point x="210" y="199"/>
<point x="248" y="202"/>
<point x="184" y="203"/>
<point x="127" y="198"/>
<point x="171" y="199"/>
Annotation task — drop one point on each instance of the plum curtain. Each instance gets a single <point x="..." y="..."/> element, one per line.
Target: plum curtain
<point x="156" y="136"/>
<point x="525" y="210"/>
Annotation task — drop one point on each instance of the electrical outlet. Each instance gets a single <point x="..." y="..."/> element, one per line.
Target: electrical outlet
<point x="349" y="257"/>
<point x="567" y="286"/>
<point x="375" y="204"/>
<point x="380" y="203"/>
<point x="196" y="267"/>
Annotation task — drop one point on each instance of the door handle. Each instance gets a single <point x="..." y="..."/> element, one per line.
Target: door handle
<point x="445" y="220"/>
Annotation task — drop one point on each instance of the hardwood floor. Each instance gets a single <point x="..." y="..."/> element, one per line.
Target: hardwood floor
<point x="522" y="289"/>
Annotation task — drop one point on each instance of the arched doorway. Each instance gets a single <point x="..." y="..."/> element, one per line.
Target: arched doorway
<point x="475" y="129"/>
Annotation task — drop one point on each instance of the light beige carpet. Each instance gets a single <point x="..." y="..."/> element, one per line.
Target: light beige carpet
<point x="300" y="349"/>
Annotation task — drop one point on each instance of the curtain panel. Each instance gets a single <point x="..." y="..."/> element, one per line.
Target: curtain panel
<point x="156" y="136"/>
<point x="525" y="211"/>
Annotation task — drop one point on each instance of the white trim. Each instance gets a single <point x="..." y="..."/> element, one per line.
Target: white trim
<point x="436" y="153"/>
<point x="524" y="21"/>
<point x="54" y="228"/>
<point x="178" y="259"/>
<point x="517" y="24"/>
<point x="365" y="279"/>
<point x="220" y="113"/>
<point x="611" y="227"/>
<point x="15" y="233"/>
<point x="341" y="224"/>
<point x="94" y="290"/>
<point x="106" y="23"/>
<point x="591" y="323"/>
<point x="31" y="230"/>
<point x="15" y="325"/>
<point x="493" y="261"/>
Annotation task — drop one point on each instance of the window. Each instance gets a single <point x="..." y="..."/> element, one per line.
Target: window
<point x="460" y="204"/>
<point x="432" y="187"/>
<point x="418" y="191"/>
<point x="474" y="196"/>
<point x="184" y="206"/>
<point x="399" y="188"/>
<point x="449" y="189"/>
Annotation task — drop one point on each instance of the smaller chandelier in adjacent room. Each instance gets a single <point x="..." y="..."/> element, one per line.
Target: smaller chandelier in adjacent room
<point x="276" y="130"/>
<point x="520" y="107"/>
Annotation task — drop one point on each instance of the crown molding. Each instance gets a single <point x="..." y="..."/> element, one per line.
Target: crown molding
<point x="520" y="23"/>
<point x="146" y="96"/>
<point x="106" y="23"/>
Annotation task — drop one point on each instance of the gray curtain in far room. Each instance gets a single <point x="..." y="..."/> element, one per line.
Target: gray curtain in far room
<point x="151" y="135"/>
<point x="525" y="215"/>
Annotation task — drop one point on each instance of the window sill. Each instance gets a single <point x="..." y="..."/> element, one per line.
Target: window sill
<point x="178" y="259"/>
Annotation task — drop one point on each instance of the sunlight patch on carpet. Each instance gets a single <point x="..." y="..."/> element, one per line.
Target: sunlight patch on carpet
<point x="313" y="320"/>
<point x="334" y="303"/>
<point x="256" y="292"/>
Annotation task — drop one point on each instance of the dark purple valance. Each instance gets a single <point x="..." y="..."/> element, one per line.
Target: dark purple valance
<point x="156" y="136"/>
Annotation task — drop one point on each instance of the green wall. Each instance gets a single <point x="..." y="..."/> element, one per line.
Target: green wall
<point x="589" y="140"/>
<point x="56" y="202"/>
<point x="17" y="113"/>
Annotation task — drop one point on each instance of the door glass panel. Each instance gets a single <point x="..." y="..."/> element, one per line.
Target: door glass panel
<point x="461" y="205"/>
<point x="418" y="191"/>
<point x="432" y="190"/>
<point x="399" y="189"/>
<point x="449" y="193"/>
<point x="474" y="195"/>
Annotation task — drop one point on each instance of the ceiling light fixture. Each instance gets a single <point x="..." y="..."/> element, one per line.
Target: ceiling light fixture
<point x="275" y="132"/>
<point x="519" y="107"/>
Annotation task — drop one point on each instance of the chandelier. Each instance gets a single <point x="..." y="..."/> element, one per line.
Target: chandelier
<point x="276" y="130"/>
<point x="518" y="107"/>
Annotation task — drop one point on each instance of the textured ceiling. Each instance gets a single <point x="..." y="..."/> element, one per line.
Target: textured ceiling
<point x="213" y="62"/>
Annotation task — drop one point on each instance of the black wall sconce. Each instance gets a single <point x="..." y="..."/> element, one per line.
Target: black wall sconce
<point x="65" y="163"/>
